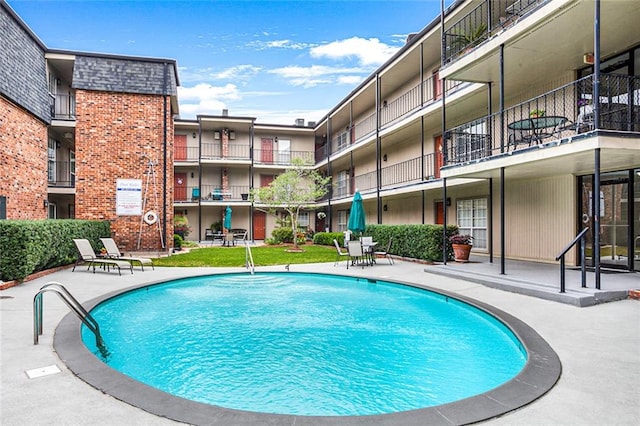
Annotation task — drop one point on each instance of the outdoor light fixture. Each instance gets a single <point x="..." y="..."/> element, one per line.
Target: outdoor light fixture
<point x="384" y="157"/>
<point x="384" y="207"/>
<point x="46" y="203"/>
<point x="276" y="140"/>
<point x="194" y="135"/>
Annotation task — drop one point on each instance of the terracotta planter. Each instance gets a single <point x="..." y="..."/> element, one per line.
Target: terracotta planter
<point x="461" y="252"/>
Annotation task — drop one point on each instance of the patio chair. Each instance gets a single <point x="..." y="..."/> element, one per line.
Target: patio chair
<point x="356" y="255"/>
<point x="114" y="252"/>
<point x="339" y="252"/>
<point x="386" y="253"/>
<point x="86" y="254"/>
<point x="518" y="137"/>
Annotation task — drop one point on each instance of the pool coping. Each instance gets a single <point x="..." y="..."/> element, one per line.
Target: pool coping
<point x="540" y="373"/>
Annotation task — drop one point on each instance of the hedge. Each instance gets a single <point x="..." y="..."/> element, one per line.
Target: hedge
<point x="28" y="246"/>
<point x="422" y="242"/>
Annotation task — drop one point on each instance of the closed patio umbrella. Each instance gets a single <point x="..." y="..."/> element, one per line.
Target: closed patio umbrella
<point x="227" y="218"/>
<point x="356" y="216"/>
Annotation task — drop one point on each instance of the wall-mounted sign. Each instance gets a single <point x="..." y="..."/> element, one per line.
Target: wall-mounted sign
<point x="129" y="197"/>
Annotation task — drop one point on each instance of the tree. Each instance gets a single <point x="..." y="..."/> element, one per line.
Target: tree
<point x="297" y="189"/>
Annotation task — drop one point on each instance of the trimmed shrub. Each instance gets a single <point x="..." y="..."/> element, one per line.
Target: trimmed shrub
<point x="422" y="242"/>
<point x="28" y="246"/>
<point x="326" y="238"/>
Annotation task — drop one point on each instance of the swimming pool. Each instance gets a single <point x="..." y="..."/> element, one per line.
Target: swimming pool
<point x="377" y="331"/>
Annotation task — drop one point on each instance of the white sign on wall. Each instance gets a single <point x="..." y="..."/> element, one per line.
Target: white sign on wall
<point x="129" y="197"/>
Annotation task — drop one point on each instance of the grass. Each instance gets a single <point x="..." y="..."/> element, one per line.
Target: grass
<point x="235" y="256"/>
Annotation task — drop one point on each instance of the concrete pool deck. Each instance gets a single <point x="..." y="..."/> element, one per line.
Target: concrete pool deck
<point x="598" y="347"/>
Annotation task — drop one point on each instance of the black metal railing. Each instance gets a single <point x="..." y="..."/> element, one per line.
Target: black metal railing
<point x="186" y="154"/>
<point x="561" y="113"/>
<point x="405" y="172"/>
<point x="63" y="106"/>
<point x="579" y="238"/>
<point x="272" y="156"/>
<point x="186" y="194"/>
<point x="232" y="193"/>
<point x="488" y="18"/>
<point x="60" y="174"/>
<point x="215" y="151"/>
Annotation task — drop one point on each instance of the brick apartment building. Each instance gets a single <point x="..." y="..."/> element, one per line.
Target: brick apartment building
<point x="73" y="124"/>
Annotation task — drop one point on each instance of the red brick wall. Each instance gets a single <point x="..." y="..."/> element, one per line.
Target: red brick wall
<point x="116" y="134"/>
<point x="23" y="162"/>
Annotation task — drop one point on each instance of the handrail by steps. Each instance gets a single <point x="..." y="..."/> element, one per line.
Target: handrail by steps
<point x="72" y="303"/>
<point x="248" y="256"/>
<point x="560" y="257"/>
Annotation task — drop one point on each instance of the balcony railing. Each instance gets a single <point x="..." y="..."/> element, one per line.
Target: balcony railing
<point x="217" y="193"/>
<point x="214" y="151"/>
<point x="185" y="154"/>
<point x="403" y="173"/>
<point x="63" y="106"/>
<point x="60" y="175"/>
<point x="560" y="113"/>
<point x="271" y="156"/>
<point x="489" y="17"/>
<point x="417" y="97"/>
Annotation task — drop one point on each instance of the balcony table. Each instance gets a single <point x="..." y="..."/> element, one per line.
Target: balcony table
<point x="535" y="129"/>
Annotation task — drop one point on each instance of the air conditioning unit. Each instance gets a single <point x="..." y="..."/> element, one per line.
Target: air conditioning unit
<point x="311" y="124"/>
<point x="300" y="122"/>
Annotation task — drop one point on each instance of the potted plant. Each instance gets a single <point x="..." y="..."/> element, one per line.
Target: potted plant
<point x="536" y="113"/>
<point x="467" y="40"/>
<point x="461" y="245"/>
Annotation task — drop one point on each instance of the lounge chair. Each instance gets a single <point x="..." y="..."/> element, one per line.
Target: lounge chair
<point x="339" y="251"/>
<point x="114" y="252"/>
<point x="386" y="253"/>
<point x="86" y="254"/>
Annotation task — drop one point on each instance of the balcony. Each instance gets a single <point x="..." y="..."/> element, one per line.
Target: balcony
<point x="63" y="106"/>
<point x="487" y="19"/>
<point x="232" y="193"/>
<point x="420" y="96"/>
<point x="215" y="151"/>
<point x="60" y="174"/>
<point x="403" y="173"/>
<point x="186" y="154"/>
<point x="561" y="113"/>
<point x="277" y="158"/>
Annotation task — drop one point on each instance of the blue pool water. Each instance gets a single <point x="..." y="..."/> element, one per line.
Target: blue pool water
<point x="305" y="344"/>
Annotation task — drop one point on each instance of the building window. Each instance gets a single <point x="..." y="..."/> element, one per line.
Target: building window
<point x="342" y="220"/>
<point x="342" y="184"/>
<point x="303" y="219"/>
<point x="343" y="140"/>
<point x="472" y="220"/>
<point x="284" y="151"/>
<point x="51" y="152"/>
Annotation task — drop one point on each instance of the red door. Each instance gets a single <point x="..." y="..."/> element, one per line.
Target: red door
<point x="267" y="150"/>
<point x="259" y="225"/>
<point x="438" y="157"/>
<point x="180" y="142"/>
<point x="265" y="180"/>
<point x="437" y="85"/>
<point x="180" y="187"/>
<point x="439" y="213"/>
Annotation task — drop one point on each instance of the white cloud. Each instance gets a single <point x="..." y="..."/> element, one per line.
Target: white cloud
<point x="369" y="52"/>
<point x="279" y="44"/>
<point x="315" y="75"/>
<point x="238" y="72"/>
<point x="350" y="79"/>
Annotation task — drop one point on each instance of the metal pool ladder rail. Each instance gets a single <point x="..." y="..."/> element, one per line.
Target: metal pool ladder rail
<point x="249" y="257"/>
<point x="72" y="303"/>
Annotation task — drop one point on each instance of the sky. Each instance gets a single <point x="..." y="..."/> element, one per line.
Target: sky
<point x="276" y="61"/>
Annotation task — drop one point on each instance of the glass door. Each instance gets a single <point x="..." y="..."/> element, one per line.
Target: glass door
<point x="617" y="216"/>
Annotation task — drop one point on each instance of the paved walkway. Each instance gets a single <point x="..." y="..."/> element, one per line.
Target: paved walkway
<point x="599" y="347"/>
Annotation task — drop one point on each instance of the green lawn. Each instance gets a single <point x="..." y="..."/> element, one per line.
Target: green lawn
<point x="235" y="256"/>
